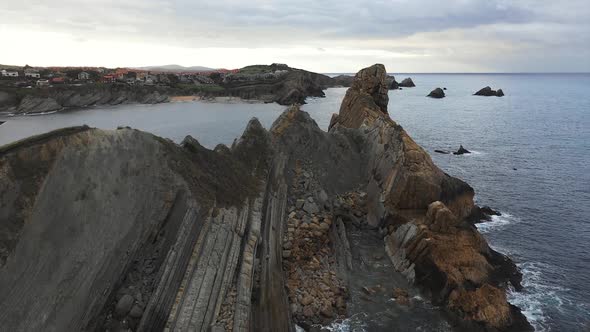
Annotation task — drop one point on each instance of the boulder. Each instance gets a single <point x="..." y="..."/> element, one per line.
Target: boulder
<point x="488" y="92"/>
<point x="436" y="93"/>
<point x="442" y="151"/>
<point x="124" y="305"/>
<point x="481" y="214"/>
<point x="401" y="296"/>
<point x="136" y="312"/>
<point x="310" y="207"/>
<point x="407" y="83"/>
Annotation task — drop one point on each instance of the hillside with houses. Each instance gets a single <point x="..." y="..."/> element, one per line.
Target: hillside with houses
<point x="28" y="89"/>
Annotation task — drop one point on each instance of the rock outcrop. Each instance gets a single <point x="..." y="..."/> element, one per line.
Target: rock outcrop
<point x="292" y="88"/>
<point x="436" y="93"/>
<point x="63" y="97"/>
<point x="407" y="83"/>
<point x="366" y="100"/>
<point x="461" y="151"/>
<point x="488" y="92"/>
<point x="149" y="235"/>
<point x="426" y="211"/>
<point x="342" y="81"/>
<point x="392" y="83"/>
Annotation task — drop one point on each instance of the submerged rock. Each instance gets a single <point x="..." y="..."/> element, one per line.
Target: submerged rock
<point x="442" y="151"/>
<point x="436" y="93"/>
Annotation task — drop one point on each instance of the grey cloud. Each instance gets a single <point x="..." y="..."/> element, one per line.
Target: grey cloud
<point x="547" y="24"/>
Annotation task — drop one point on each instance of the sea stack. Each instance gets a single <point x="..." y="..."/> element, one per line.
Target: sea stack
<point x="436" y="93"/>
<point x="488" y="92"/>
<point x="461" y="151"/>
<point x="393" y="84"/>
<point x="407" y="83"/>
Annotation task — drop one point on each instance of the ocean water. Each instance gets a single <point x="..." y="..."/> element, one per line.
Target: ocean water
<point x="530" y="160"/>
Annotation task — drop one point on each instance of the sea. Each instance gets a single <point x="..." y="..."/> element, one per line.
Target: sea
<point x="530" y="160"/>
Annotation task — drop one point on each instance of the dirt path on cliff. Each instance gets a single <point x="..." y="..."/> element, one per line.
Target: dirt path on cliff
<point x="372" y="281"/>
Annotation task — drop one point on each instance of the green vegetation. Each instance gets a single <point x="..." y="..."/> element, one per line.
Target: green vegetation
<point x="256" y="69"/>
<point x="193" y="89"/>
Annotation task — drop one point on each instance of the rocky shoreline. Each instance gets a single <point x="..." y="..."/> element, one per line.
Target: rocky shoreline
<point x="294" y="86"/>
<point x="288" y="226"/>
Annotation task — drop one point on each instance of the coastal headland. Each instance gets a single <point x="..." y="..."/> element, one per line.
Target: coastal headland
<point x="290" y="226"/>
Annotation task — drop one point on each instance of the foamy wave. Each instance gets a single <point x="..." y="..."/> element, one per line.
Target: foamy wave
<point x="474" y="153"/>
<point x="497" y="222"/>
<point x="351" y="324"/>
<point x="537" y="295"/>
<point x="40" y="113"/>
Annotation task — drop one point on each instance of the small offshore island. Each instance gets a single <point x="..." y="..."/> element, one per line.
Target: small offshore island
<point x="289" y="228"/>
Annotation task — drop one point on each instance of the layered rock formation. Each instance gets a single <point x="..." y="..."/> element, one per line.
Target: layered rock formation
<point x="63" y="97"/>
<point x="488" y="92"/>
<point x="293" y="87"/>
<point x="425" y="211"/>
<point x="116" y="230"/>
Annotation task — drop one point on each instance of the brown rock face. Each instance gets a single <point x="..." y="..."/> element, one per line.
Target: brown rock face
<point x="402" y="174"/>
<point x="425" y="209"/>
<point x="366" y="99"/>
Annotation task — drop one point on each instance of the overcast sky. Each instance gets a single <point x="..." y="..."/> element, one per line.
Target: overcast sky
<point x="319" y="35"/>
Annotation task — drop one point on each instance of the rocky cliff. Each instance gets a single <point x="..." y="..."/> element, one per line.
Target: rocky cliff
<point x="40" y="100"/>
<point x="116" y="230"/>
<point x="291" y="88"/>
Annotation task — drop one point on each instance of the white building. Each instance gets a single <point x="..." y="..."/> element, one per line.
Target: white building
<point x="9" y="73"/>
<point x="32" y="73"/>
<point x="84" y="76"/>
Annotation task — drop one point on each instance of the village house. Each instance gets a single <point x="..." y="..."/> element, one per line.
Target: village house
<point x="108" y="79"/>
<point x="9" y="73"/>
<point x="32" y="73"/>
<point x="141" y="75"/>
<point x="84" y="76"/>
<point x="43" y="83"/>
<point x="58" y="80"/>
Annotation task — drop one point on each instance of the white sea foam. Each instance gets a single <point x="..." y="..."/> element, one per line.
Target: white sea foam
<point x="497" y="222"/>
<point x="350" y="324"/>
<point x="474" y="153"/>
<point x="538" y="295"/>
